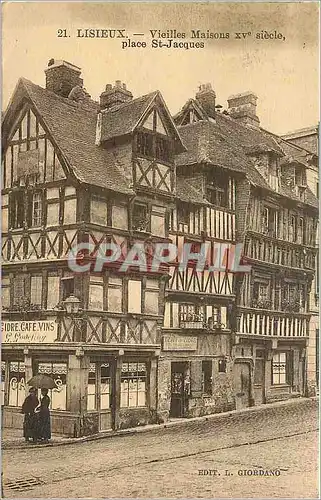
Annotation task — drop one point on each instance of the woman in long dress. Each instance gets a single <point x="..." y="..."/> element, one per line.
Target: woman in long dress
<point x="30" y="423"/>
<point x="44" y="427"/>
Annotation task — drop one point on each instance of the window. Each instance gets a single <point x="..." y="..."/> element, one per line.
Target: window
<point x="261" y="294"/>
<point x="92" y="388"/>
<point x="58" y="395"/>
<point x="207" y="377"/>
<point x="98" y="211"/>
<point x="151" y="296"/>
<point x="53" y="285"/>
<point x="120" y="217"/>
<point x="19" y="289"/>
<point x="293" y="228"/>
<point x="17" y="383"/>
<point x="162" y="149"/>
<point x="68" y="286"/>
<point x="222" y="365"/>
<point x="301" y="230"/>
<point x="134" y="296"/>
<point x="36" y="209"/>
<point x="5" y="298"/>
<point x="158" y="221"/>
<point x="96" y="293"/>
<point x="36" y="290"/>
<point x="217" y="189"/>
<point x="115" y="294"/>
<point x="133" y="385"/>
<point x="140" y="218"/>
<point x="183" y="217"/>
<point x="17" y="209"/>
<point x="271" y="221"/>
<point x="70" y="208"/>
<point x="105" y="386"/>
<point x="145" y="144"/>
<point x="153" y="142"/>
<point x="281" y="368"/>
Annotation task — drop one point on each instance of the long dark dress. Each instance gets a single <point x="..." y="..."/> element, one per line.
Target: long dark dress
<point x="44" y="427"/>
<point x="30" y="423"/>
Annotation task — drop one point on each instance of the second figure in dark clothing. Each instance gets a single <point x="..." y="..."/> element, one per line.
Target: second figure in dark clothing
<point x="30" y="424"/>
<point x="44" y="425"/>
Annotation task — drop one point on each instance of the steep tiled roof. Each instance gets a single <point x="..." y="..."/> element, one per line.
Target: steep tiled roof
<point x="73" y="128"/>
<point x="122" y="119"/>
<point x="188" y="193"/>
<point x="229" y="144"/>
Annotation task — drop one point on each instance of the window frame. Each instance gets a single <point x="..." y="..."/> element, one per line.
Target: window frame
<point x="133" y="375"/>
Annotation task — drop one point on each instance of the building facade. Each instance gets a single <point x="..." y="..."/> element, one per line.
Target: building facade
<point x="308" y="141"/>
<point x="128" y="346"/>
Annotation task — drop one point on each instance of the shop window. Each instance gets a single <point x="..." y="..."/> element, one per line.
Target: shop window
<point x="134" y="296"/>
<point x="5" y="295"/>
<point x="17" y="383"/>
<point x="36" y="290"/>
<point x="58" y="395"/>
<point x="151" y="296"/>
<point x="140" y="218"/>
<point x="3" y="381"/>
<point x="222" y="366"/>
<point x="207" y="377"/>
<point x="53" y="285"/>
<point x="16" y="209"/>
<point x="105" y="386"/>
<point x="281" y="368"/>
<point x="133" y="385"/>
<point x="96" y="293"/>
<point x="158" y="221"/>
<point x="115" y="294"/>
<point x="98" y="211"/>
<point x="91" y="392"/>
<point x="120" y="217"/>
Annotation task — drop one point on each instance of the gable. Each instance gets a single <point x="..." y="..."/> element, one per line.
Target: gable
<point x="29" y="154"/>
<point x="154" y="122"/>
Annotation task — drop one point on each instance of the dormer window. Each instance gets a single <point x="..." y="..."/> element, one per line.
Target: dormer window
<point x="217" y="190"/>
<point x="299" y="177"/>
<point x="152" y="139"/>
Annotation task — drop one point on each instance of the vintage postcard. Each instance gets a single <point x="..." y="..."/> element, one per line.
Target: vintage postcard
<point x="160" y="296"/>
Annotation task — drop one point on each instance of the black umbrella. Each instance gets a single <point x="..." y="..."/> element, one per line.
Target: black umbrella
<point x="42" y="381"/>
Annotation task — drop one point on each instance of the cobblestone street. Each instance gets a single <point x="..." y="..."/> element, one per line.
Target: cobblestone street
<point x="166" y="462"/>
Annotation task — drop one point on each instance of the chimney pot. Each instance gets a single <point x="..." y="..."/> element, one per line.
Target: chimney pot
<point x="114" y="96"/>
<point x="118" y="84"/>
<point x="109" y="86"/>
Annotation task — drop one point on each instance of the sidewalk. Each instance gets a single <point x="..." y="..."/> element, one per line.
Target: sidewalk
<point x="12" y="438"/>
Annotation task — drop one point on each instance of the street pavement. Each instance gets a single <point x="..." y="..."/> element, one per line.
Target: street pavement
<point x="180" y="462"/>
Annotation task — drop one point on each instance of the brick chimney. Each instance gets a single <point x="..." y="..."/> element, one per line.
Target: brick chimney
<point x="113" y="96"/>
<point x="206" y="97"/>
<point x="62" y="77"/>
<point x="242" y="107"/>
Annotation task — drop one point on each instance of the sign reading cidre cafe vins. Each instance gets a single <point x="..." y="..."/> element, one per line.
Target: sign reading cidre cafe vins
<point x="29" y="332"/>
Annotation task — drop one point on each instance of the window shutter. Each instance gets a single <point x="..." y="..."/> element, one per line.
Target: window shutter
<point x="196" y="379"/>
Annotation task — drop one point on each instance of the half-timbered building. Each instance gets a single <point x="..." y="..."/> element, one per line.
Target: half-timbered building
<point x="131" y="347"/>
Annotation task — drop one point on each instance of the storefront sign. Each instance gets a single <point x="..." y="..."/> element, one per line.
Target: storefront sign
<point x="29" y="332"/>
<point x="179" y="343"/>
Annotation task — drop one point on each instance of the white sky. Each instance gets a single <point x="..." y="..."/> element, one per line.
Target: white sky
<point x="284" y="75"/>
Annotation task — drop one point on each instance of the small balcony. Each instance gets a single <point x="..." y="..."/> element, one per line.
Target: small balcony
<point x="272" y="323"/>
<point x="197" y="321"/>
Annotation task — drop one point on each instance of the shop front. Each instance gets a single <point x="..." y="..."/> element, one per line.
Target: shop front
<point x="194" y="374"/>
<point x="97" y="387"/>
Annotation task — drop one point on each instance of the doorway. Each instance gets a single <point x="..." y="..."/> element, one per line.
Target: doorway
<point x="259" y="377"/>
<point x="179" y="389"/>
<point x="100" y="393"/>
<point x="242" y="377"/>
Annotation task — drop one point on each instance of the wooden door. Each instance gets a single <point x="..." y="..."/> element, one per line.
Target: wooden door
<point x="178" y="390"/>
<point x="105" y="396"/>
<point x="259" y="378"/>
<point x="242" y="376"/>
